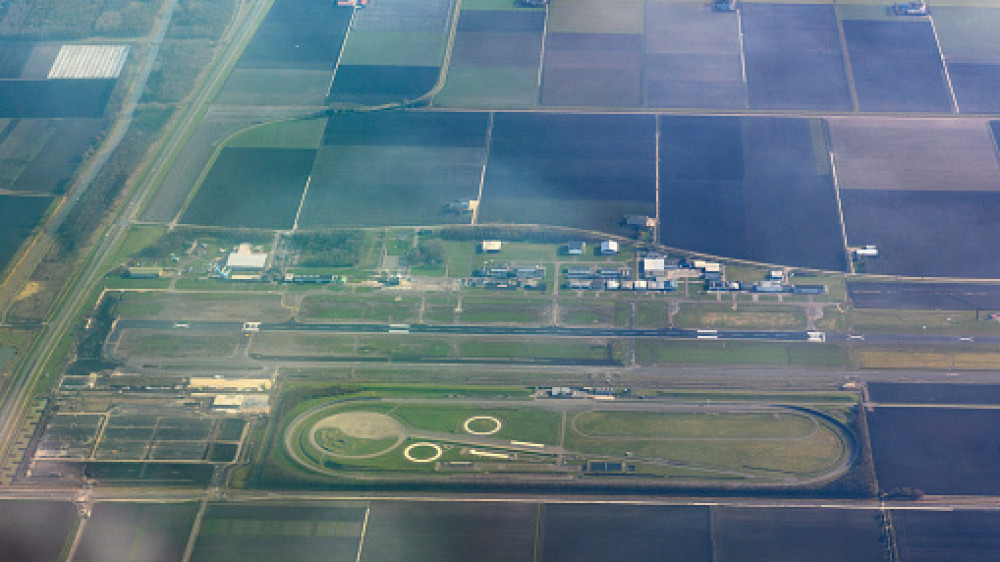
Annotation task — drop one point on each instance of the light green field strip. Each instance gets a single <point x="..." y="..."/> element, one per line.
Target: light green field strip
<point x="257" y="86"/>
<point x="511" y="5"/>
<point x="596" y="16"/>
<point x="490" y="87"/>
<point x="394" y="48"/>
<point x="286" y="134"/>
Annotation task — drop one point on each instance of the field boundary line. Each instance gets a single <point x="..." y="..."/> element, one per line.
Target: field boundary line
<point x="340" y="55"/>
<point x="944" y="65"/>
<point x="848" y="66"/>
<point x="486" y="162"/>
<point x="743" y="58"/>
<point x="840" y="204"/>
<point x="305" y="191"/>
<point x="195" y="529"/>
<point x="541" y="53"/>
<point x="364" y="530"/>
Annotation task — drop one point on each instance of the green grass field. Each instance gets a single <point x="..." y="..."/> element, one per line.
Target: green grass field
<point x="681" y="440"/>
<point x="393" y="48"/>
<point x="369" y="308"/>
<point x="650" y="352"/>
<point x="300" y="133"/>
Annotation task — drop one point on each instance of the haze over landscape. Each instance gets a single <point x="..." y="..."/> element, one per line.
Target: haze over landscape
<point x="378" y="280"/>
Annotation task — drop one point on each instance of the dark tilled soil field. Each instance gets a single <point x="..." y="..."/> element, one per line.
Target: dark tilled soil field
<point x="925" y="296"/>
<point x="751" y="189"/>
<point x="592" y="69"/>
<point x="897" y="66"/>
<point x="375" y="84"/>
<point x="585" y="171"/>
<point x="501" y="21"/>
<point x="34" y="531"/>
<point x="694" y="80"/>
<point x="934" y="393"/>
<point x="252" y="187"/>
<point x="151" y="532"/>
<point x="18" y="215"/>
<point x="276" y="532"/>
<point x="926" y="233"/>
<point x="407" y="128"/>
<point x="298" y="34"/>
<point x="939" y="451"/>
<point x="54" y="98"/>
<point x="635" y="533"/>
<point x="976" y="86"/>
<point x="13" y="56"/>
<point x="496" y="48"/>
<point x="834" y="535"/>
<point x="450" y="532"/>
<point x="793" y="57"/>
<point x="947" y="536"/>
<point x="55" y="164"/>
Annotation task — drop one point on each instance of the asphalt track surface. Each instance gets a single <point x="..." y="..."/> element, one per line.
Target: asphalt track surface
<point x="552" y="331"/>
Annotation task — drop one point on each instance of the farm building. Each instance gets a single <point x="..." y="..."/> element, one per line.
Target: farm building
<point x="490" y="246"/>
<point x="640" y="221"/>
<point x="143" y="272"/>
<point x="770" y="287"/>
<point x="245" y="259"/>
<point x="575" y="248"/>
<point x="809" y="289"/>
<point x="869" y="251"/>
<point x="653" y="267"/>
<point x="609" y="248"/>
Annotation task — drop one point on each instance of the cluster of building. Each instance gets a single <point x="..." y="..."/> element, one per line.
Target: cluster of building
<point x="506" y="276"/>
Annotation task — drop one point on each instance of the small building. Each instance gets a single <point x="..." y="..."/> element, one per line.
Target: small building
<point x="579" y="284"/>
<point x="776" y="275"/>
<point x="640" y="221"/>
<point x="462" y="207"/>
<point x="662" y="284"/>
<point x="869" y="251"/>
<point x="724" y="6"/>
<point x="579" y="273"/>
<point x="575" y="248"/>
<point x="639" y="285"/>
<point x="561" y="392"/>
<point x="652" y="267"/>
<point x="809" y="289"/>
<point x="143" y="272"/>
<point x="712" y="275"/>
<point x="490" y="246"/>
<point x="717" y="286"/>
<point x="770" y="287"/>
<point x="612" y="285"/>
<point x="609" y="248"/>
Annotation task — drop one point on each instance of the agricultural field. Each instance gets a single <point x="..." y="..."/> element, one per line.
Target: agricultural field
<point x="692" y="57"/>
<point x="450" y="531"/>
<point x="728" y="185"/>
<point x="18" y="216"/>
<point x="571" y="532"/>
<point x="84" y="98"/>
<point x="303" y="531"/>
<point x="926" y="233"/>
<point x="914" y="154"/>
<point x="765" y="534"/>
<point x="973" y="59"/>
<point x="252" y="187"/>
<point x="593" y="69"/>
<point x="746" y="316"/>
<point x="41" y="155"/>
<point x="679" y="443"/>
<point x="23" y="539"/>
<point x="369" y="308"/>
<point x="411" y="163"/>
<point x="896" y="66"/>
<point x="939" y="451"/>
<point x="136" y="532"/>
<point x="583" y="171"/>
<point x="651" y="352"/>
<point x="793" y="57"/>
<point x="934" y="393"/>
<point x="202" y="306"/>
<point x="291" y="58"/>
<point x="393" y="52"/>
<point x="930" y="536"/>
<point x="495" y="59"/>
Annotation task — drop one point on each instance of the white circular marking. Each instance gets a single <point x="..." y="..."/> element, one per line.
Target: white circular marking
<point x="496" y="423"/>
<point x="438" y="451"/>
